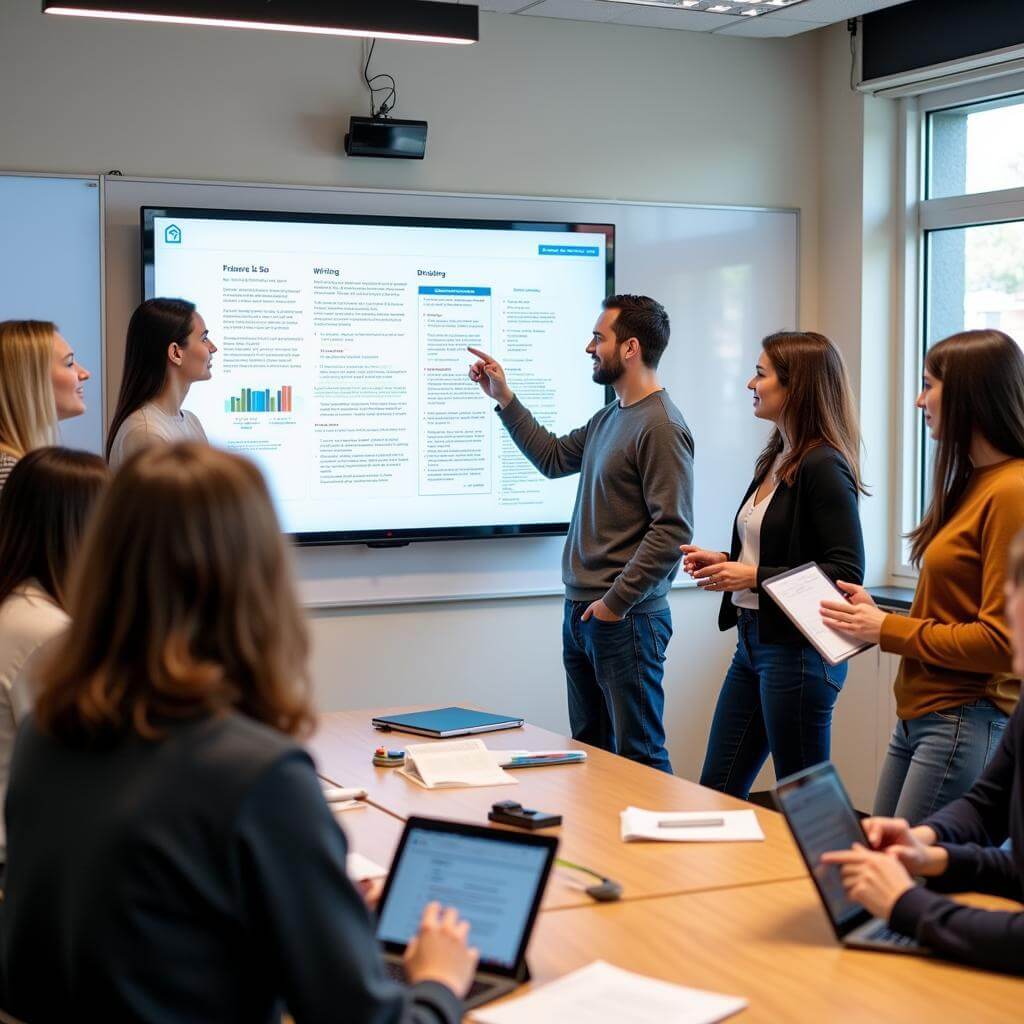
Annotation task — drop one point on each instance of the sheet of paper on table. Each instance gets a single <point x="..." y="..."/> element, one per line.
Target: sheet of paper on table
<point x="690" y="826"/>
<point x="601" y="993"/>
<point x="362" y="869"/>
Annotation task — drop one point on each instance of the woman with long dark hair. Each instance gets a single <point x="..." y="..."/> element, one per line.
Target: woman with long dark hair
<point x="44" y="508"/>
<point x="801" y="506"/>
<point x="955" y="687"/>
<point x="194" y="871"/>
<point x="167" y="350"/>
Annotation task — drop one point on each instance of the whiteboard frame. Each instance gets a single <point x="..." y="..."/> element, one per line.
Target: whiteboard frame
<point x="101" y="283"/>
<point x="308" y="585"/>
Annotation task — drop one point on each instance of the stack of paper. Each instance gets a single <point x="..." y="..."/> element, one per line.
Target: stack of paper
<point x="690" y="826"/>
<point x="453" y="763"/>
<point x="602" y="994"/>
<point x="362" y="869"/>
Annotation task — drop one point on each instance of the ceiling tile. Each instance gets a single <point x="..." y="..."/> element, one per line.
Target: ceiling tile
<point x="503" y="6"/>
<point x="661" y="17"/>
<point x="494" y="6"/>
<point x="766" y="26"/>
<point x="827" y="12"/>
<point x="577" y="10"/>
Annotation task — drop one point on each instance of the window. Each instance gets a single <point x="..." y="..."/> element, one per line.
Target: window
<point x="965" y="250"/>
<point x="977" y="147"/>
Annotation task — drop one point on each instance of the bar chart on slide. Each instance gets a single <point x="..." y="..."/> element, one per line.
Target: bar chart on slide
<point x="261" y="400"/>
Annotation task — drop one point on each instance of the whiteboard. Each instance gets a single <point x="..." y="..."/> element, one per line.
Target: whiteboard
<point x="727" y="276"/>
<point x="50" y="270"/>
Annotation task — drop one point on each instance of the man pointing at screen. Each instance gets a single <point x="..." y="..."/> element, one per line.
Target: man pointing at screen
<point x="633" y="509"/>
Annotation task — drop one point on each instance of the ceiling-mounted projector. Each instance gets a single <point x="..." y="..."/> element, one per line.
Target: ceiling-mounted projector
<point x="386" y="137"/>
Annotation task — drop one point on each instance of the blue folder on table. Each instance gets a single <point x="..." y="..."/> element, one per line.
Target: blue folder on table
<point x="442" y="722"/>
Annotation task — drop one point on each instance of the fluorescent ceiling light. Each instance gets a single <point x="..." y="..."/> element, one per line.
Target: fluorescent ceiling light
<point x="420" y="21"/>
<point x="733" y="9"/>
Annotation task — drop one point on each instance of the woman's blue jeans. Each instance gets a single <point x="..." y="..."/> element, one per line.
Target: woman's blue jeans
<point x="936" y="758"/>
<point x="776" y="699"/>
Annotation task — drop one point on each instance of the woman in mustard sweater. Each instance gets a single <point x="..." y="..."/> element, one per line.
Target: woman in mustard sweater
<point x="955" y="688"/>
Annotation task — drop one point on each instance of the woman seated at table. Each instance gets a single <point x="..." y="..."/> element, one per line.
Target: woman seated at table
<point x="44" y="508"/>
<point x="170" y="856"/>
<point x="957" y="849"/>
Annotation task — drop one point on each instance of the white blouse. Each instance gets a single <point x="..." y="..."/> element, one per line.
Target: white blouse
<point x="748" y="525"/>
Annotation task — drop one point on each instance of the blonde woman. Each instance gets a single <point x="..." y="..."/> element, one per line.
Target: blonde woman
<point x="40" y="383"/>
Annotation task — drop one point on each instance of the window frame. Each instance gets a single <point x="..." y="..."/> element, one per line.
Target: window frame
<point x="919" y="216"/>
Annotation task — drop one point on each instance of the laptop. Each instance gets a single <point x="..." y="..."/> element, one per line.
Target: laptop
<point x="442" y="722"/>
<point x="494" y="878"/>
<point x="821" y="817"/>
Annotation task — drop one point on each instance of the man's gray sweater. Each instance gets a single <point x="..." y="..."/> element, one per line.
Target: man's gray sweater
<point x="634" y="505"/>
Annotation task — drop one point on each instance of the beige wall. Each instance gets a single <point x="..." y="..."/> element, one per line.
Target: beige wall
<point x="857" y="299"/>
<point x="539" y="107"/>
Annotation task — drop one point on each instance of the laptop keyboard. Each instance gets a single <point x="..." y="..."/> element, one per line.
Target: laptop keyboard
<point x="394" y="970"/>
<point x="883" y="933"/>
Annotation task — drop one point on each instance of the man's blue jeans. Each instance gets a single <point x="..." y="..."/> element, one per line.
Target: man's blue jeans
<point x="936" y="758"/>
<point x="777" y="699"/>
<point x="614" y="672"/>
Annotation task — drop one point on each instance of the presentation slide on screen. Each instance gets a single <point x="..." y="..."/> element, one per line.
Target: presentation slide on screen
<point x="343" y="368"/>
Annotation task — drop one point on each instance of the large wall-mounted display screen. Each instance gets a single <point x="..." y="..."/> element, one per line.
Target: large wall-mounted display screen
<point x="342" y="367"/>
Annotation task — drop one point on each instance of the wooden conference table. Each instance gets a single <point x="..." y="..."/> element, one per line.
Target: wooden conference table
<point x="736" y="918"/>
<point x="588" y="796"/>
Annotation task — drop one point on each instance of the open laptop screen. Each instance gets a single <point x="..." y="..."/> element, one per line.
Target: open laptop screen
<point x="493" y="882"/>
<point x="821" y="818"/>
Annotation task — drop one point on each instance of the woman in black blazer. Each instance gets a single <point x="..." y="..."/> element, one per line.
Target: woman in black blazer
<point x="801" y="507"/>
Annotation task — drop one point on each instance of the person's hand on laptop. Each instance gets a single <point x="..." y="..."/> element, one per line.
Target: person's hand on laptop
<point x="872" y="879"/>
<point x="914" y="847"/>
<point x="440" y="951"/>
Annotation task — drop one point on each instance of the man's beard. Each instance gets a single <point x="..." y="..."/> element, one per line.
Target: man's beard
<point x="608" y="373"/>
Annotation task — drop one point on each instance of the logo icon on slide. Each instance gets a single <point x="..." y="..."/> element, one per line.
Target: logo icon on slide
<point x="172" y="234"/>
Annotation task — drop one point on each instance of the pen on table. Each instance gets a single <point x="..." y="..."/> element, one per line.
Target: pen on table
<point x="693" y="823"/>
<point x="333" y="794"/>
<point x="568" y="755"/>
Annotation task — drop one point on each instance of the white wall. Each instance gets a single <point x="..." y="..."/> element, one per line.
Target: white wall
<point x="858" y="298"/>
<point x="539" y="107"/>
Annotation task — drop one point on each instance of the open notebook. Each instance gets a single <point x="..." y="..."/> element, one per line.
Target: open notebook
<point x="452" y="763"/>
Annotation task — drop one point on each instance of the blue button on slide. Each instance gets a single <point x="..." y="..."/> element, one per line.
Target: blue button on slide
<point x="435" y="289"/>
<point x="568" y="250"/>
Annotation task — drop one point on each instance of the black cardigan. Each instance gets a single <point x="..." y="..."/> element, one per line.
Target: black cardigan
<point x="814" y="520"/>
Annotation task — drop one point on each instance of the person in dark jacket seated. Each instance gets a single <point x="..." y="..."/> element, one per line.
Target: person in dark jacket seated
<point x="170" y="854"/>
<point x="957" y="849"/>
